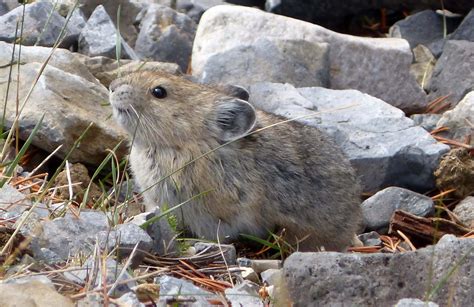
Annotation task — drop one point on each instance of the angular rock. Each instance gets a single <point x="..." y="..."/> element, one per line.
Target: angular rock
<point x="453" y="73"/>
<point x="91" y="273"/>
<point x="378" y="209"/>
<point x="459" y="120"/>
<point x="76" y="102"/>
<point x="379" y="279"/>
<point x="31" y="294"/>
<point x="163" y="235"/>
<point x="77" y="22"/>
<point x="370" y="238"/>
<point x="99" y="37"/>
<point x="384" y="146"/>
<point x="464" y="31"/>
<point x="166" y="36"/>
<point x="244" y="294"/>
<point x="379" y="67"/>
<point x="106" y="69"/>
<point x="465" y="211"/>
<point x="423" y="28"/>
<point x="68" y="236"/>
<point x="426" y="121"/>
<point x="124" y="237"/>
<point x="61" y="59"/>
<point x="129" y="11"/>
<point x="175" y="288"/>
<point x="12" y="203"/>
<point x="35" y="29"/>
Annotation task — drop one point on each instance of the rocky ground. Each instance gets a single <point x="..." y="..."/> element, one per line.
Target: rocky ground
<point x="392" y="83"/>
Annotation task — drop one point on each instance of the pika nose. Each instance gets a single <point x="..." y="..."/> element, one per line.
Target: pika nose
<point x="113" y="86"/>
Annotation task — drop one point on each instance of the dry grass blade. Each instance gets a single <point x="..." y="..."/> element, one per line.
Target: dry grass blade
<point x="436" y="104"/>
<point x="452" y="142"/>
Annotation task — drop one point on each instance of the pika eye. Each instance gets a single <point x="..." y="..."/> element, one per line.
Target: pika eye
<point x="159" y="92"/>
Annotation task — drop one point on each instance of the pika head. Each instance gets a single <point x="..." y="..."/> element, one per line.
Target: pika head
<point x="157" y="107"/>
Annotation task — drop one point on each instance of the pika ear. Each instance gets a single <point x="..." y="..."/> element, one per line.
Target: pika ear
<point x="234" y="118"/>
<point x="236" y="91"/>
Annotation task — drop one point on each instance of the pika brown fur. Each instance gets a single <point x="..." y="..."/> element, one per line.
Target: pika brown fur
<point x="289" y="176"/>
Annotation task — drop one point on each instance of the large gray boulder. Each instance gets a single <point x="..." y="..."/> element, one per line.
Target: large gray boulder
<point x="444" y="272"/>
<point x="377" y="66"/>
<point x="453" y="74"/>
<point x="70" y="98"/>
<point x="385" y="147"/>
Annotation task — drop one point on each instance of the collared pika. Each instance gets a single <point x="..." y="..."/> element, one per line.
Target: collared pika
<point x="289" y="176"/>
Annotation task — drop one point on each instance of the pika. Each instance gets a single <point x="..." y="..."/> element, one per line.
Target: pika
<point x="289" y="176"/>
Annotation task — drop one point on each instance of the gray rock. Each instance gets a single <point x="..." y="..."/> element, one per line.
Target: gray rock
<point x="427" y="121"/>
<point x="423" y="67"/>
<point x="423" y="28"/>
<point x="106" y="69"/>
<point x="244" y="294"/>
<point x="31" y="294"/>
<point x="300" y="62"/>
<point x="36" y="31"/>
<point x="91" y="273"/>
<point x="379" y="67"/>
<point x="129" y="299"/>
<point x="378" y="279"/>
<point x="61" y="59"/>
<point x="12" y="203"/>
<point x="384" y="146"/>
<point x="172" y="288"/>
<point x="99" y="37"/>
<point x="260" y="265"/>
<point x="68" y="236"/>
<point x="124" y="237"/>
<point x="464" y="31"/>
<point x="77" y="99"/>
<point x="77" y="22"/>
<point x="129" y="11"/>
<point x="163" y="235"/>
<point x="27" y="279"/>
<point x="414" y="302"/>
<point x="370" y="238"/>
<point x="228" y="250"/>
<point x="453" y="73"/>
<point x="465" y="211"/>
<point x="378" y="209"/>
<point x="166" y="36"/>
<point x="460" y="120"/>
